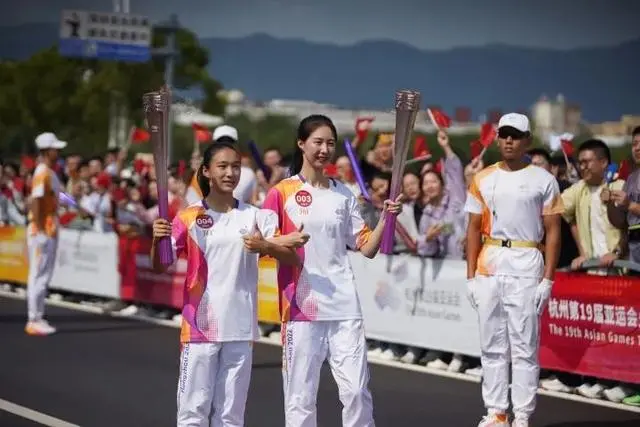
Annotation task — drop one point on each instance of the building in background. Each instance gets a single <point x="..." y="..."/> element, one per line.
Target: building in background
<point x="551" y="116"/>
<point x="616" y="133"/>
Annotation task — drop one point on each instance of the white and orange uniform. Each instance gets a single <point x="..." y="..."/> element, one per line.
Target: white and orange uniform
<point x="219" y="315"/>
<point x="512" y="205"/>
<point x="319" y="306"/>
<point x="42" y="243"/>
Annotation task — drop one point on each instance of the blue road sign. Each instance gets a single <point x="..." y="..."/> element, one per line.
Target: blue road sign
<point x="104" y="35"/>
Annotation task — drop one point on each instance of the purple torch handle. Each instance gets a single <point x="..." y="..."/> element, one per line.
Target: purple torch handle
<point x="407" y="104"/>
<point x="164" y="244"/>
<point x="388" y="234"/>
<point x="355" y="166"/>
<point x="156" y="106"/>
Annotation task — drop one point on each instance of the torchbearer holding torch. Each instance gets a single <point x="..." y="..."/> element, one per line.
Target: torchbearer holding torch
<point x="157" y="108"/>
<point x="407" y="105"/>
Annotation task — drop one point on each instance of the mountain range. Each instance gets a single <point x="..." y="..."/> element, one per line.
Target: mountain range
<point x="603" y="81"/>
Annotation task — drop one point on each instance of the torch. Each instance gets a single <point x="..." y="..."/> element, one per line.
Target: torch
<point x="407" y="106"/>
<point x="156" y="107"/>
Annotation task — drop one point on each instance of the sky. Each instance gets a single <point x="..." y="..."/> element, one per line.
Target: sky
<point x="426" y="24"/>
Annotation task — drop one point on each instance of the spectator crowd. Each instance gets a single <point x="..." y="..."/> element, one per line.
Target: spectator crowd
<point x="601" y="217"/>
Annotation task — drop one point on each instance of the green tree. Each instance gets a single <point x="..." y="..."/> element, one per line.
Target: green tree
<point x="72" y="96"/>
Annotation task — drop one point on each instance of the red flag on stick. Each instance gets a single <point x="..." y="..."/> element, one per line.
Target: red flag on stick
<point x="139" y="136"/>
<point x="476" y="148"/>
<point x="420" y="148"/>
<point x="487" y="135"/>
<point x="201" y="133"/>
<point x="439" y="119"/>
<point x="567" y="147"/>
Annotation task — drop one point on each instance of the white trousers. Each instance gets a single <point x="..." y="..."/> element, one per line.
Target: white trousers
<point x="306" y="345"/>
<point x="213" y="384"/>
<point x="509" y="334"/>
<point x="42" y="259"/>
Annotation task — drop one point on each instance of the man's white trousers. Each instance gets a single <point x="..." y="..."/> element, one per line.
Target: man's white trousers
<point x="42" y="259"/>
<point x="509" y="334"/>
<point x="306" y="345"/>
<point x="214" y="383"/>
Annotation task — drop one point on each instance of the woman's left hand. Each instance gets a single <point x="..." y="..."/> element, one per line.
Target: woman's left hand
<point x="393" y="207"/>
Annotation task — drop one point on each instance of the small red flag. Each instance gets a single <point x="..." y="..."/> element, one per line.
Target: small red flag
<point x="420" y="148"/>
<point x="567" y="147"/>
<point x="487" y="135"/>
<point x="476" y="148"/>
<point x="138" y="136"/>
<point x="202" y="136"/>
<point x="439" y="119"/>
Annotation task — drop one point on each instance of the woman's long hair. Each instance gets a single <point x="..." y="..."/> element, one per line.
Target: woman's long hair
<point x="307" y="126"/>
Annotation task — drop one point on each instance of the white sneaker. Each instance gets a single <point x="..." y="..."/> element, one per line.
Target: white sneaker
<point x="177" y="319"/>
<point x="494" y="421"/>
<point x="617" y="394"/>
<point x="131" y="310"/>
<point x="519" y="422"/>
<point x="456" y="363"/>
<point x="388" y="354"/>
<point x="591" y="391"/>
<point x="476" y="372"/>
<point x="554" y="384"/>
<point x="409" y="357"/>
<point x="39" y="328"/>
<point x="437" y="364"/>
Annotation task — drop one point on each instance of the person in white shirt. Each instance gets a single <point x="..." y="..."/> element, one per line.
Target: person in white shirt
<point x="221" y="238"/>
<point x="511" y="207"/>
<point x="42" y="232"/>
<point x="320" y="310"/>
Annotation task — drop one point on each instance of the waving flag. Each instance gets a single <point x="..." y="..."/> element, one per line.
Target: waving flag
<point x="439" y="119"/>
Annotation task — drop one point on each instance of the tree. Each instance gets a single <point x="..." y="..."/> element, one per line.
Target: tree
<point x="71" y="97"/>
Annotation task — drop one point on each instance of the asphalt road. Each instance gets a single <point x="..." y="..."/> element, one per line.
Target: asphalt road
<point x="101" y="371"/>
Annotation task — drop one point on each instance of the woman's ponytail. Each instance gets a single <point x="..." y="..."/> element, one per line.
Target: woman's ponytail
<point x="203" y="181"/>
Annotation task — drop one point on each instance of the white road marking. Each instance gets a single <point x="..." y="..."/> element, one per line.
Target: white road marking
<point x="393" y="364"/>
<point x="32" y="415"/>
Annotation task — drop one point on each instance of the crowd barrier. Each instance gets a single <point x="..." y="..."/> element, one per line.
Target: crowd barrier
<point x="590" y="327"/>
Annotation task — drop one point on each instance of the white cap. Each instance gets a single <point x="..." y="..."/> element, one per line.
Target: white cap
<point x="515" y="120"/>
<point x="49" y="140"/>
<point x="224" y="130"/>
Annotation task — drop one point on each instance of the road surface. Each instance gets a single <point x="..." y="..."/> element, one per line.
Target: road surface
<point x="101" y="371"/>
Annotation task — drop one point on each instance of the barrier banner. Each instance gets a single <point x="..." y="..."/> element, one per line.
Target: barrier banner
<point x="268" y="302"/>
<point x="418" y="302"/>
<point x="14" y="258"/>
<point x="143" y="285"/>
<point x="87" y="263"/>
<point x="591" y="327"/>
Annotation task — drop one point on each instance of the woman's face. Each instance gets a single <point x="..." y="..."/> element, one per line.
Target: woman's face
<point x="319" y="148"/>
<point x="431" y="186"/>
<point x="411" y="186"/>
<point x="379" y="188"/>
<point x="343" y="166"/>
<point x="223" y="171"/>
<point x="384" y="152"/>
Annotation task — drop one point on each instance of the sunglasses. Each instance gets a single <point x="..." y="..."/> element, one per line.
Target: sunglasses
<point x="507" y="131"/>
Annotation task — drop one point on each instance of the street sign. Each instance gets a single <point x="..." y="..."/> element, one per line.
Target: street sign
<point x="105" y="35"/>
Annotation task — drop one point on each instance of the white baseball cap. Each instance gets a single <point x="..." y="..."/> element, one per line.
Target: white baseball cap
<point x="49" y="140"/>
<point x="516" y="121"/>
<point x="224" y="130"/>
